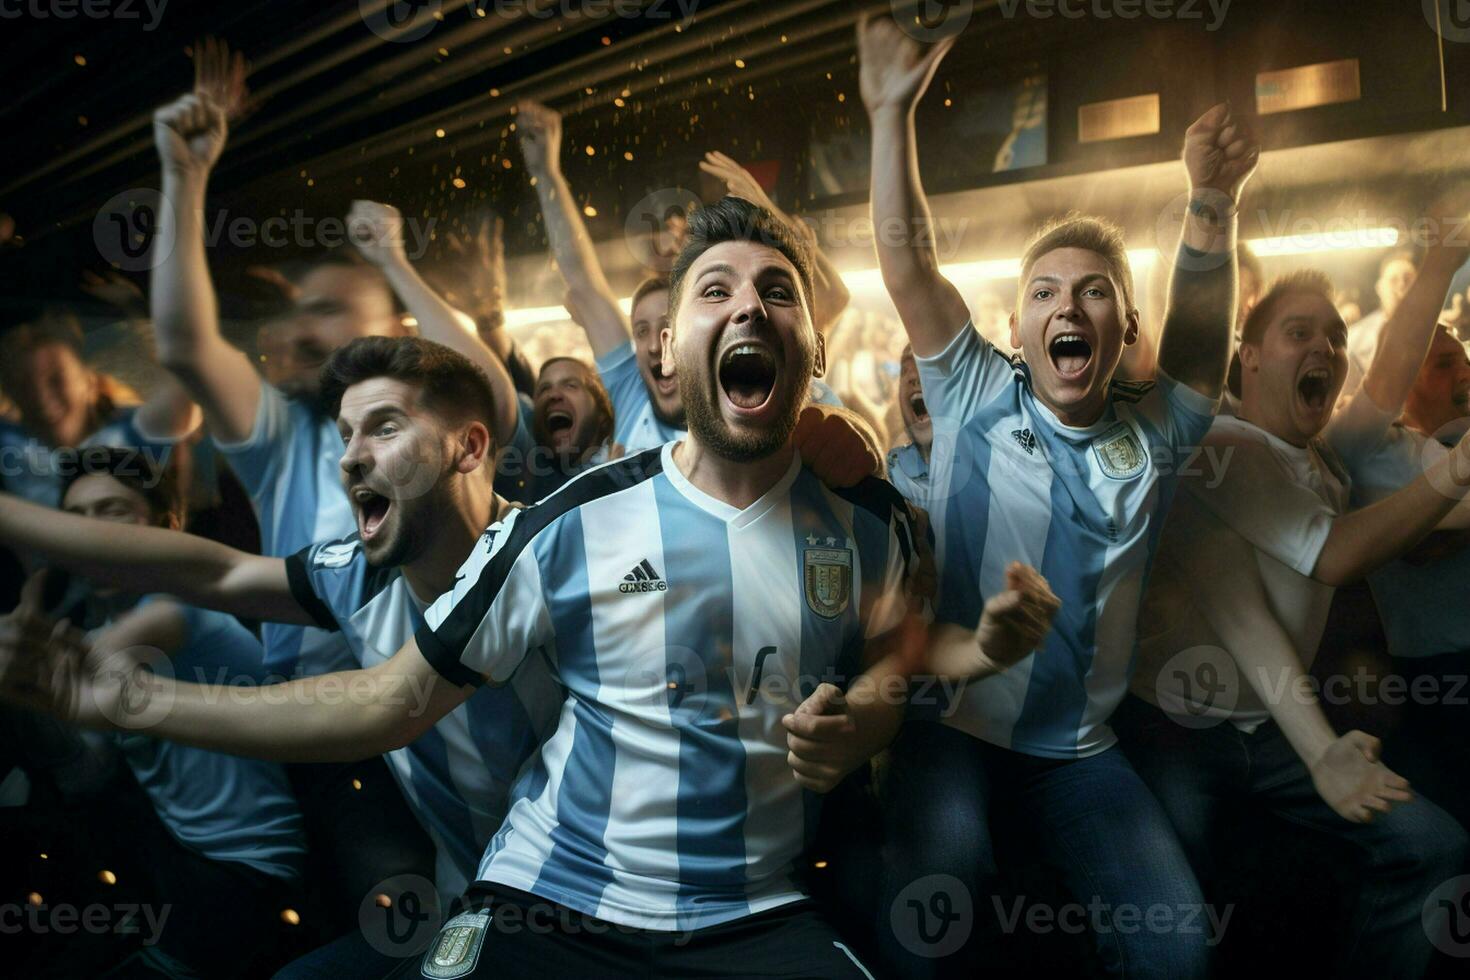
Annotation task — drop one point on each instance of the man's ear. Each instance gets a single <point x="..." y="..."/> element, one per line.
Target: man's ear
<point x="666" y="349"/>
<point x="1250" y="357"/>
<point x="1130" y="328"/>
<point x="819" y="368"/>
<point x="1015" y="332"/>
<point x="477" y="447"/>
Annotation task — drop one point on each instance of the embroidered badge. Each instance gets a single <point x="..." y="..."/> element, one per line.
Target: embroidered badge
<point x="456" y="949"/>
<point x="1120" y="453"/>
<point x="828" y="575"/>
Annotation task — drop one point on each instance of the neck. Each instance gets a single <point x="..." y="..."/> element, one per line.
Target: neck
<point x="471" y="507"/>
<point x="1253" y="411"/>
<point x="735" y="483"/>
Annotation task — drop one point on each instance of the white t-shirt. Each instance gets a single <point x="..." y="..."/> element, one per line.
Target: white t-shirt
<point x="1280" y="498"/>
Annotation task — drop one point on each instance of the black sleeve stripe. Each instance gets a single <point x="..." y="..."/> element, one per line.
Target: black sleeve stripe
<point x="883" y="501"/>
<point x="445" y="660"/>
<point x="301" y="590"/>
<point x="447" y="642"/>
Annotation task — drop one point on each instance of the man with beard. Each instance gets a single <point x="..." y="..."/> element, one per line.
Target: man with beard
<point x="414" y="417"/>
<point x="285" y="450"/>
<point x="1272" y="487"/>
<point x="731" y="637"/>
<point x="1044" y="459"/>
<point x="908" y="465"/>
<point x="572" y="421"/>
<point x="643" y="389"/>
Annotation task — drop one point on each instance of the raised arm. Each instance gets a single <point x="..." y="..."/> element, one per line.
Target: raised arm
<point x="1220" y="155"/>
<point x="597" y="308"/>
<point x="190" y="135"/>
<point x="894" y="72"/>
<point x="1221" y="568"/>
<point x="1406" y="336"/>
<point x="377" y="231"/>
<point x="153" y="559"/>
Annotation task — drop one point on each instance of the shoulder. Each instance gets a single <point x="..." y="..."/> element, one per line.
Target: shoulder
<point x="1130" y="391"/>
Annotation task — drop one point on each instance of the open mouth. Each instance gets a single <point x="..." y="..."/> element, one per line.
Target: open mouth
<point x="1070" y="354"/>
<point x="372" y="511"/>
<point x="1313" y="387"/>
<point x="917" y="406"/>
<point x="748" y="375"/>
<point x="665" y="386"/>
<point x="559" y="420"/>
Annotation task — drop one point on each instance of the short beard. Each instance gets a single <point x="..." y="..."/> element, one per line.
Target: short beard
<point x="674" y="420"/>
<point x="414" y="530"/>
<point x="706" y="424"/>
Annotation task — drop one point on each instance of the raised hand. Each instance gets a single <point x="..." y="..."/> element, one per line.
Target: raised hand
<point x="1350" y="778"/>
<point x="821" y="740"/>
<point x="738" y="181"/>
<point x="114" y="289"/>
<point x="1015" y="621"/>
<point x="190" y="134"/>
<point x="220" y="77"/>
<point x="478" y="265"/>
<point x="893" y="68"/>
<point x="1220" y="153"/>
<point x="837" y="444"/>
<point x="539" y="127"/>
<point x="377" y="232"/>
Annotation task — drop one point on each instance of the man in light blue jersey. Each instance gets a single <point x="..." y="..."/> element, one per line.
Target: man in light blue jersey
<point x="908" y="465"/>
<point x="1046" y="460"/>
<point x="285" y="448"/>
<point x="730" y="633"/>
<point x="224" y="837"/>
<point x="420" y="504"/>
<point x="629" y="349"/>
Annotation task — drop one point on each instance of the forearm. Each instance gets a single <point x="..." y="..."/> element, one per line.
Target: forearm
<point x="169" y="414"/>
<point x="1272" y="668"/>
<point x="1199" y="320"/>
<point x="903" y="228"/>
<point x="184" y="308"/>
<point x="576" y="260"/>
<point x="1364" y="539"/>
<point x="876" y="701"/>
<point x="336" y="717"/>
<point x="1407" y="334"/>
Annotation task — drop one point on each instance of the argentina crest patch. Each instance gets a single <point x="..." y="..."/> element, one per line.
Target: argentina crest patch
<point x="1119" y="452"/>
<point x="456" y="949"/>
<point x="828" y="577"/>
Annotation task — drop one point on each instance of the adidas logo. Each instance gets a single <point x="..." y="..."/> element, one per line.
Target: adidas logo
<point x="1026" y="439"/>
<point x="642" y="579"/>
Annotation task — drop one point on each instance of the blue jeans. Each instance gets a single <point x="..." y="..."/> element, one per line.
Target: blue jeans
<point x="1092" y="820"/>
<point x="1402" y="854"/>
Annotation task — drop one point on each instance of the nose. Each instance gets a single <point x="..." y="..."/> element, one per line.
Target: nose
<point x="749" y="308"/>
<point x="354" y="458"/>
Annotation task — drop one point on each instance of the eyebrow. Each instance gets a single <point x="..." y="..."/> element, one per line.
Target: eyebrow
<point x="1090" y="277"/>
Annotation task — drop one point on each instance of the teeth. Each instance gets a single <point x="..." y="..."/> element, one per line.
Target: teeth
<point x="1318" y="373"/>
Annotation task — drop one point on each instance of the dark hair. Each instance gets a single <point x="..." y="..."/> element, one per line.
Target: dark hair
<point x="734" y="219"/>
<point x="447" y="381"/>
<point x="52" y="327"/>
<point x="1301" y="281"/>
<point x="595" y="388"/>
<point x="650" y="285"/>
<point x="134" y="470"/>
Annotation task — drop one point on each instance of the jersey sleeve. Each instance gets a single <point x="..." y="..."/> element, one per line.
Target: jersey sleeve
<point x="962" y="378"/>
<point x="822" y="394"/>
<point x="258" y="459"/>
<point x="1255" y="497"/>
<point x="326" y="578"/>
<point x="1179" y="414"/>
<point x="619" y="371"/>
<point x="497" y="611"/>
<point x="514" y="476"/>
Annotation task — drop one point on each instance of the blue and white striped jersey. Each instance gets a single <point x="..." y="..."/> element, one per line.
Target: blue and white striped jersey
<point x="457" y="776"/>
<point x="289" y="465"/>
<point x="683" y="630"/>
<point x="635" y="426"/>
<point x="1011" y="482"/>
<point x="35" y="471"/>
